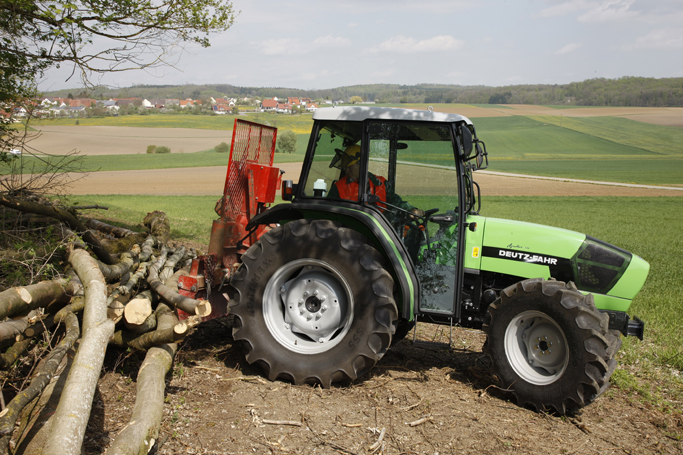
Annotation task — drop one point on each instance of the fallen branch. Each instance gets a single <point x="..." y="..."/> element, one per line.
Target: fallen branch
<point x="282" y="422"/>
<point x="420" y="421"/>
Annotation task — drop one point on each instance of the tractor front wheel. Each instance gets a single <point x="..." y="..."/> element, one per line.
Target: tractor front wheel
<point x="313" y="303"/>
<point x="549" y="345"/>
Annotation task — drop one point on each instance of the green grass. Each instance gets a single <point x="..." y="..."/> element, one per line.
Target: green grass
<point x="657" y="139"/>
<point x="191" y="216"/>
<point x="649" y="172"/>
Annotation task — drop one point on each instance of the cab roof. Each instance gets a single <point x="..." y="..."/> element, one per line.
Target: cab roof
<point x="360" y="113"/>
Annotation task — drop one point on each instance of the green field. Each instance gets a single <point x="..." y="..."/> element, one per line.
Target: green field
<point x="612" y="219"/>
<point x="596" y="148"/>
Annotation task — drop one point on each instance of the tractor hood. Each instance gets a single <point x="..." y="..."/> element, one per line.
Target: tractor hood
<point x="530" y="250"/>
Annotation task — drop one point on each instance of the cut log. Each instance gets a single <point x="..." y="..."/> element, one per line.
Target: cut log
<point x="21" y="300"/>
<point x="138" y="309"/>
<point x="194" y="307"/>
<point x="115" y="311"/>
<point x="148" y="325"/>
<point x="13" y="328"/>
<point x="72" y="414"/>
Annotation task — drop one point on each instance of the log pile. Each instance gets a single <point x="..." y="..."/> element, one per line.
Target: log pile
<point x="119" y="291"/>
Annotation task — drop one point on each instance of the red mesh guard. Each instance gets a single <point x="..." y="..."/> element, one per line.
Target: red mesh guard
<point x="251" y="143"/>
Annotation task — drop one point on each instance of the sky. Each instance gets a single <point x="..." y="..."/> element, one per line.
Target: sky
<point x="319" y="44"/>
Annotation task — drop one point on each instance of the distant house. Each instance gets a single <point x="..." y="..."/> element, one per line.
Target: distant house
<point x="283" y="108"/>
<point x="77" y="102"/>
<point x="312" y="107"/>
<point x="294" y="101"/>
<point x="269" y="105"/>
<point x="220" y="108"/>
<point x="147" y="104"/>
<point x="189" y="102"/>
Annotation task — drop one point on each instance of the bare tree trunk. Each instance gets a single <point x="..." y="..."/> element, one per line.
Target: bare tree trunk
<point x="71" y="417"/>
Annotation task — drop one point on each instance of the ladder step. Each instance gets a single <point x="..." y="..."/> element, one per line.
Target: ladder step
<point x="431" y="344"/>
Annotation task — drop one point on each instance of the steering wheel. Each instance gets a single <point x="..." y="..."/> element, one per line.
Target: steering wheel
<point x="425" y="219"/>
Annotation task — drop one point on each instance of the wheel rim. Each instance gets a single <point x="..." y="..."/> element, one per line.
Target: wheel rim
<point x="536" y="348"/>
<point x="308" y="306"/>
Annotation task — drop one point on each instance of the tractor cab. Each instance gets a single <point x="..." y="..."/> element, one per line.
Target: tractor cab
<point x="413" y="172"/>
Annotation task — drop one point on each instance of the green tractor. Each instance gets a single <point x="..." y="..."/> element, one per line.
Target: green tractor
<point x="340" y="273"/>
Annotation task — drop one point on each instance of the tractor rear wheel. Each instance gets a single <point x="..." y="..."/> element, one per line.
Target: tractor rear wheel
<point x="313" y="303"/>
<point x="550" y="345"/>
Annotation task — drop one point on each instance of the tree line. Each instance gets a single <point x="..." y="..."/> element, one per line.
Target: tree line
<point x="625" y="91"/>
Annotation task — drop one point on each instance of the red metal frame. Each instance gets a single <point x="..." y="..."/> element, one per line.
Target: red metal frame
<point x="251" y="182"/>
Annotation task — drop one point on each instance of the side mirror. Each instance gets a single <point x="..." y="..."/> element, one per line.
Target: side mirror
<point x="482" y="156"/>
<point x="467" y="143"/>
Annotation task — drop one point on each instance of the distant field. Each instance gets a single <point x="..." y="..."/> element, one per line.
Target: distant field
<point x="594" y="143"/>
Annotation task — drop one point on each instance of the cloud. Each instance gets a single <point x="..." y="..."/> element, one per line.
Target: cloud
<point x="331" y="41"/>
<point x="296" y="46"/>
<point x="593" y="10"/>
<point x="565" y="8"/>
<point x="407" y="45"/>
<point x="610" y="11"/>
<point x="571" y="47"/>
<point x="666" y="38"/>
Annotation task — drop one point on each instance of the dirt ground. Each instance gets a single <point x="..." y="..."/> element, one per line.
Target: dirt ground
<point x="424" y="400"/>
<point x="122" y="140"/>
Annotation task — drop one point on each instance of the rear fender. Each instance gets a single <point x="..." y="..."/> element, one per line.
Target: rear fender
<point x="366" y="221"/>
